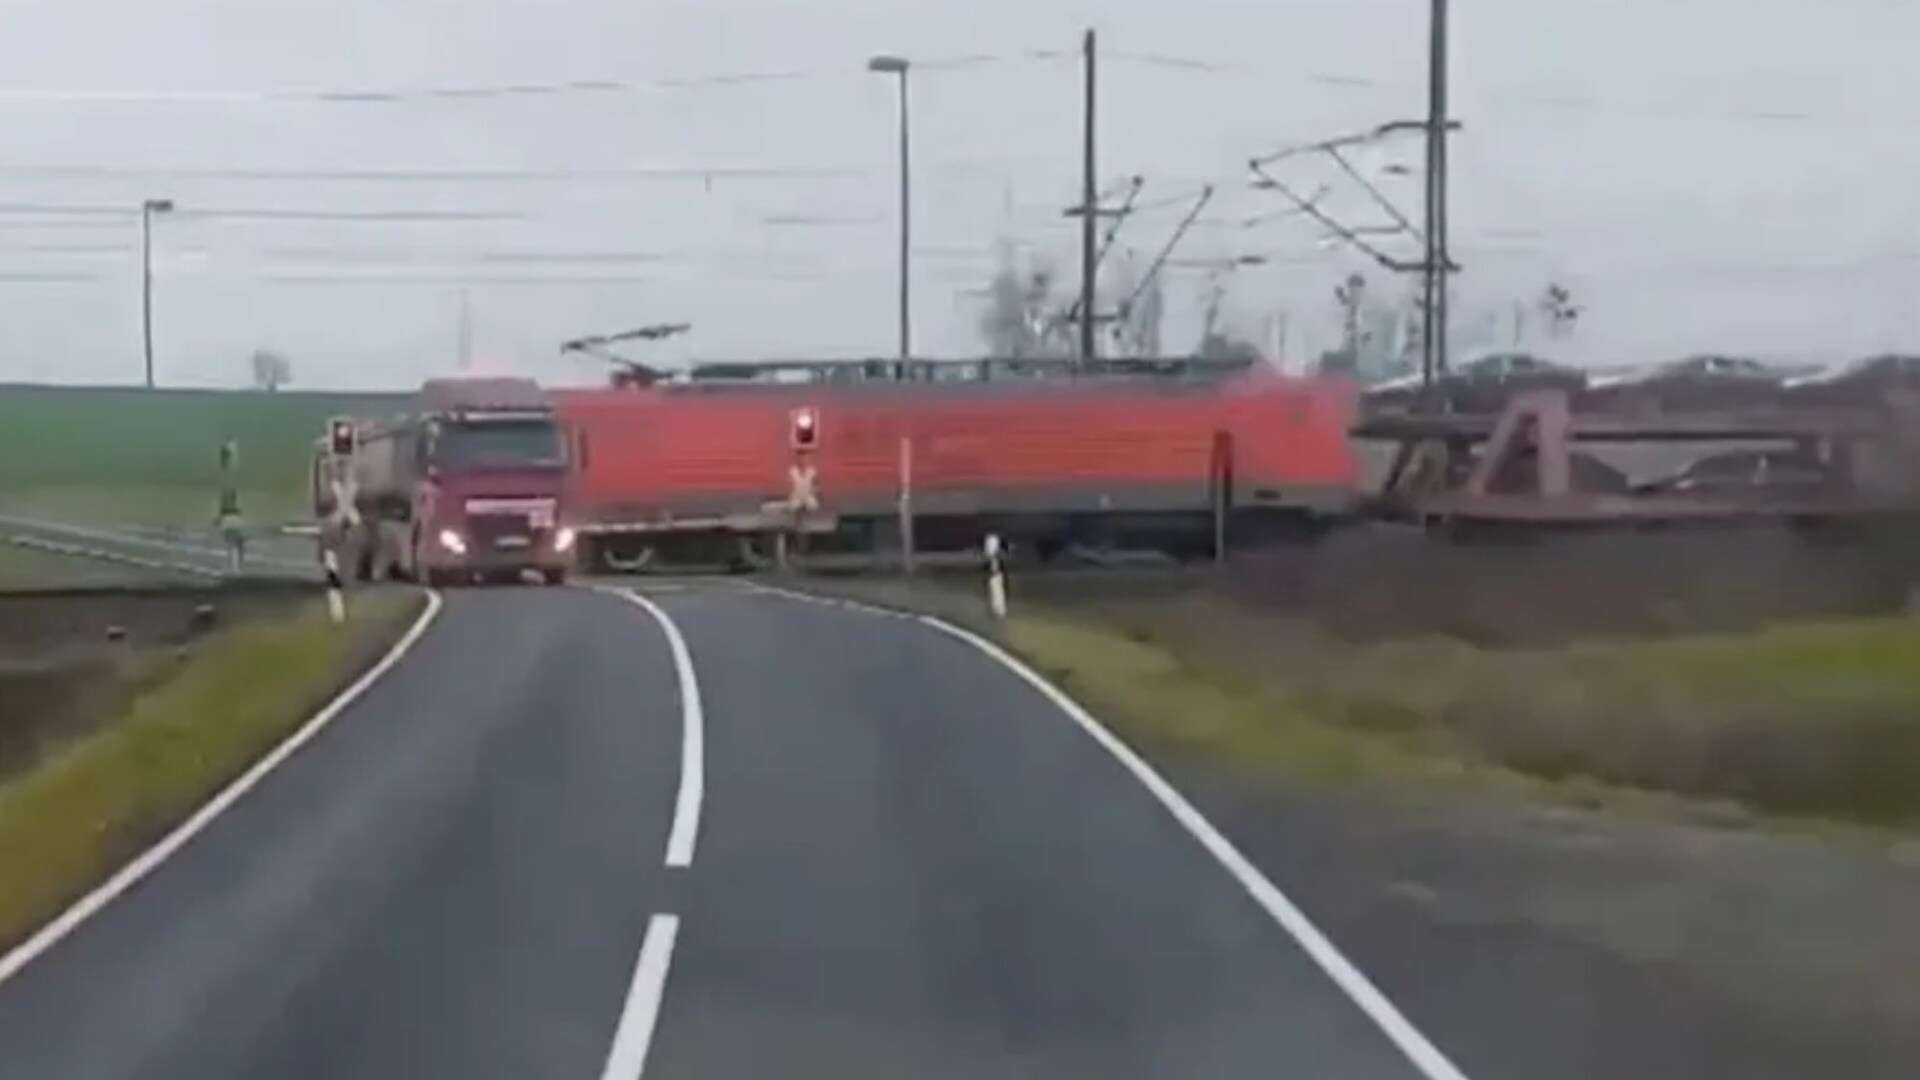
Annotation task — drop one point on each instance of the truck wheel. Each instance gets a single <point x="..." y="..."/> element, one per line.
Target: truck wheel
<point x="554" y="575"/>
<point x="438" y="579"/>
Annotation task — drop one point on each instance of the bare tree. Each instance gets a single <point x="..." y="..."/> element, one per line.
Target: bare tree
<point x="1140" y="308"/>
<point x="271" y="370"/>
<point x="1227" y="347"/>
<point x="1351" y="296"/>
<point x="1021" y="317"/>
<point x="1143" y="319"/>
<point x="1557" y="306"/>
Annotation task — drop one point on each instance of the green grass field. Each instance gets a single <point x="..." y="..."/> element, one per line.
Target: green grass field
<point x="111" y="454"/>
<point x="1816" y="719"/>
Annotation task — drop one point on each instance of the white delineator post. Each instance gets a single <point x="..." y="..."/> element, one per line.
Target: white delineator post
<point x="336" y="601"/>
<point x="996" y="577"/>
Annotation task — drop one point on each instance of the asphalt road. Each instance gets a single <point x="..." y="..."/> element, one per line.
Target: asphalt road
<point x="897" y="858"/>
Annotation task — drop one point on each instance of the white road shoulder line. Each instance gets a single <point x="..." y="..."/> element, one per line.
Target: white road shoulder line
<point x="1418" y="1049"/>
<point x="127" y="876"/>
<point x="693" y="785"/>
<point x="634" y="1036"/>
<point x="824" y="601"/>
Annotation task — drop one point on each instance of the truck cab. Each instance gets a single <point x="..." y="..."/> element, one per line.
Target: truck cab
<point x="469" y="486"/>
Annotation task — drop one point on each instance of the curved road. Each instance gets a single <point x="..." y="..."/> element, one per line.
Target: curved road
<point x="855" y="846"/>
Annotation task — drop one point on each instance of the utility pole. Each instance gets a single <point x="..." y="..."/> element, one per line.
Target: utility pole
<point x="147" y="209"/>
<point x="1436" y="266"/>
<point x="899" y="66"/>
<point x="1088" y="197"/>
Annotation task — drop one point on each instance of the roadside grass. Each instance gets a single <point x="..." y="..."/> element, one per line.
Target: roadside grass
<point x="1815" y="720"/>
<point x="49" y="702"/>
<point x="70" y="821"/>
<point x="23" y="568"/>
<point x="1146" y="691"/>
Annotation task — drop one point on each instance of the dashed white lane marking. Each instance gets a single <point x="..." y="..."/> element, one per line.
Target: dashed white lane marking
<point x="145" y="863"/>
<point x="685" y="830"/>
<point x="1417" y="1048"/>
<point x="634" y="1036"/>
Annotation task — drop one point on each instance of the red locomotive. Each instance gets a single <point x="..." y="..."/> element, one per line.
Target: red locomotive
<point x="1165" y="459"/>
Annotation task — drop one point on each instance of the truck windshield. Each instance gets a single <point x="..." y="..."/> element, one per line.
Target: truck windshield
<point x="526" y="443"/>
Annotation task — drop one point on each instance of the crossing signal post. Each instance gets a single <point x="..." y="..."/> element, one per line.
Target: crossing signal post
<point x="227" y="518"/>
<point x="805" y="429"/>
<point x="340" y="438"/>
<point x="342" y="442"/>
<point x="803" y="498"/>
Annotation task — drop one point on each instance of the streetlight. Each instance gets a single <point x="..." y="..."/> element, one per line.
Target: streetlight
<point x="894" y="65"/>
<point x="147" y="210"/>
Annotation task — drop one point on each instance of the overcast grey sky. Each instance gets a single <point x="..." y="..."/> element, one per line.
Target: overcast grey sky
<point x="1725" y="174"/>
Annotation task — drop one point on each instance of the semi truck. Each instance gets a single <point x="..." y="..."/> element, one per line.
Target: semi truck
<point x="467" y="485"/>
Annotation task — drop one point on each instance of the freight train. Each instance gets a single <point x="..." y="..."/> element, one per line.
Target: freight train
<point x="1183" y="457"/>
<point x="734" y="463"/>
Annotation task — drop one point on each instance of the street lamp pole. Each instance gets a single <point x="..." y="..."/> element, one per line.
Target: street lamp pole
<point x="894" y="65"/>
<point x="147" y="210"/>
<point x="1436" y="266"/>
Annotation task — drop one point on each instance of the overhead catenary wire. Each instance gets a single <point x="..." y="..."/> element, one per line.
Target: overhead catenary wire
<point x="1118" y="218"/>
<point x="46" y="278"/>
<point x="1153" y="269"/>
<point x="587" y="87"/>
<point x="453" y="279"/>
<point x="1677" y="107"/>
<point x="1309" y="208"/>
<point x="1374" y="192"/>
<point x="131" y="212"/>
<point x="435" y="175"/>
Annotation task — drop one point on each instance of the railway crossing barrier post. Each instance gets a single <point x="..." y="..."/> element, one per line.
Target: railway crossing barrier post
<point x="803" y="498"/>
<point x="1222" y="493"/>
<point x="343" y="522"/>
<point x="906" y="505"/>
<point x="996" y="577"/>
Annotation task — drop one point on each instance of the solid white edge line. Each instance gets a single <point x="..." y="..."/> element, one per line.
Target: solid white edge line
<point x="1359" y="989"/>
<point x="145" y="863"/>
<point x="1416" y="1047"/>
<point x="824" y="601"/>
<point x="631" y="1040"/>
<point x="685" y="830"/>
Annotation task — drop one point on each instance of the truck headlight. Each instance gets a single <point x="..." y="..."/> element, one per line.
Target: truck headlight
<point x="453" y="541"/>
<point x="563" y="540"/>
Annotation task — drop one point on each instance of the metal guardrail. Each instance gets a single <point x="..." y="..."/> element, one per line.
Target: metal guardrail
<point x="80" y="551"/>
<point x="145" y="552"/>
